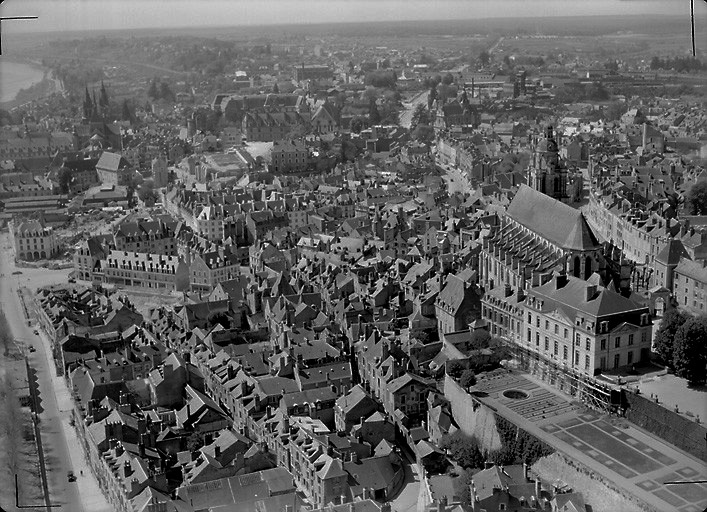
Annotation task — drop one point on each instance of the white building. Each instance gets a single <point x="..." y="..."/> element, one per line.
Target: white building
<point x="32" y="240"/>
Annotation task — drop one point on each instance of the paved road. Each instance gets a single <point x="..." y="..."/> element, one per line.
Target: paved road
<point x="407" y="498"/>
<point x="406" y="115"/>
<point x="61" y="448"/>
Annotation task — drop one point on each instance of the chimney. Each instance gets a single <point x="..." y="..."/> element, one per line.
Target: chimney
<point x="127" y="468"/>
<point x="591" y="290"/>
<point x="538" y="489"/>
<point x="507" y="291"/>
<point x="217" y="451"/>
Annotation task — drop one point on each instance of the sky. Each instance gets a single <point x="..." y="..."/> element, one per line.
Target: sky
<point x="59" y="15"/>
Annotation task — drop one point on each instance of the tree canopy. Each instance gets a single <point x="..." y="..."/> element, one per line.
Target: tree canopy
<point x="484" y="58"/>
<point x="64" y="177"/>
<point x="664" y="337"/>
<point x="381" y="78"/>
<point x="696" y="198"/>
<point x="690" y="350"/>
<point x="463" y="449"/>
<point x="468" y="378"/>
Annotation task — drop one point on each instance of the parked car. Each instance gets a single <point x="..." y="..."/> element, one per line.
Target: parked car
<point x="32" y="349"/>
<point x="70" y="475"/>
<point x="36" y="332"/>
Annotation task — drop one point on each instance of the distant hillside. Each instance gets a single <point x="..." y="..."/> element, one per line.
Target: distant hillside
<point x="575" y="25"/>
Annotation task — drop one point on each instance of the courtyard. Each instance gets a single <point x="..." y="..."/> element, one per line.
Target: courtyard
<point x="626" y="455"/>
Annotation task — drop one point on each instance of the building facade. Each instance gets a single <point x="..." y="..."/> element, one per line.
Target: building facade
<point x="585" y="327"/>
<point x="32" y="240"/>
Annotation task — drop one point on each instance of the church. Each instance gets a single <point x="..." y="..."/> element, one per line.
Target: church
<point x="547" y="173"/>
<point x="538" y="234"/>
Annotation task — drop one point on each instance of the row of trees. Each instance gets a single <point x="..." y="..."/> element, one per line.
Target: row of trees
<point x="517" y="446"/>
<point x="571" y="93"/>
<point x="681" y="343"/>
<point x="381" y="78"/>
<point x="680" y="64"/>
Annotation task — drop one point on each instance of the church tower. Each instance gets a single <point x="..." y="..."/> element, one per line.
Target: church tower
<point x="547" y="174"/>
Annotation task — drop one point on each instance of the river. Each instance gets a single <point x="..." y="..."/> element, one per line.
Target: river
<point x="15" y="76"/>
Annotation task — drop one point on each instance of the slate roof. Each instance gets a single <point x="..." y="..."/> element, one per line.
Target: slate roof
<point x="572" y="299"/>
<point x="553" y="220"/>
<point x="672" y="252"/>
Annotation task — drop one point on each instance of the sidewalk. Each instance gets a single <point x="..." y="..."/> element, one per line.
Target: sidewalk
<point x="92" y="498"/>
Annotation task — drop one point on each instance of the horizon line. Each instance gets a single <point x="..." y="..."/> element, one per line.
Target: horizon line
<point x="319" y="23"/>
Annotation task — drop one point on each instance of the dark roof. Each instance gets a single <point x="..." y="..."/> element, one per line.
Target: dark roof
<point x="672" y="252"/>
<point x="572" y="297"/>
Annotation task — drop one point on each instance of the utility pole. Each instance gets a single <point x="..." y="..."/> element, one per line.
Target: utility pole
<point x="692" y="24"/>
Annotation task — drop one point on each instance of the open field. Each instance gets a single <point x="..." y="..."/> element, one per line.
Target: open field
<point x="604" y="47"/>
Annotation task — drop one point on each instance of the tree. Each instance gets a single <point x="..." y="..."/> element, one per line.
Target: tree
<point x="455" y="368"/>
<point x="423" y="133"/>
<point x="467" y="379"/>
<point x="103" y="99"/>
<point x="448" y="79"/>
<point x="195" y="441"/>
<point x="614" y="111"/>
<point x="696" y="198"/>
<point x="665" y="336"/>
<point x="126" y="114"/>
<point x="275" y="88"/>
<point x="147" y="193"/>
<point x="507" y="61"/>
<point x="152" y="92"/>
<point x="690" y="350"/>
<point x="480" y="339"/>
<point x="374" y="116"/>
<point x="463" y="449"/>
<point x="420" y="116"/>
<point x="64" y="177"/>
<point x="381" y="78"/>
<point x="484" y="58"/>
<point x="357" y="124"/>
<point x="166" y="93"/>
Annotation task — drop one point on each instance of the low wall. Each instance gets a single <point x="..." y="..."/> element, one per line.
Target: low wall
<point x="686" y="434"/>
<point x="474" y="418"/>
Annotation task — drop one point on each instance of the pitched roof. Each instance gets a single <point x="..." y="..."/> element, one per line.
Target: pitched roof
<point x="572" y="297"/>
<point x="672" y="252"/>
<point x="553" y="220"/>
<point x="111" y="161"/>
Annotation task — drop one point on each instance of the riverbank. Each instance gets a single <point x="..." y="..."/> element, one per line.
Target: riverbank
<point x="23" y="82"/>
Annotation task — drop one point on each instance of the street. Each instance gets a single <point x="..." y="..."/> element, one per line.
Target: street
<point x="406" y="115"/>
<point x="61" y="448"/>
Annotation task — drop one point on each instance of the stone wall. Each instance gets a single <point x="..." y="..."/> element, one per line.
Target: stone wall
<point x="474" y="418"/>
<point x="688" y="435"/>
